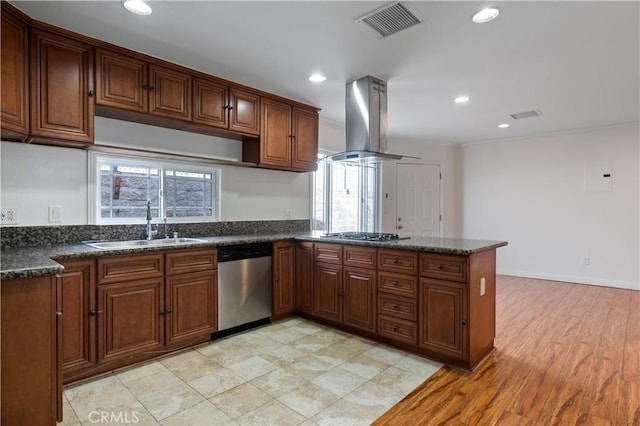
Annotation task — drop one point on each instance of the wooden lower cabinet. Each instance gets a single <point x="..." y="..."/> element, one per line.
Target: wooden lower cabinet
<point x="327" y="291"/>
<point x="189" y="307"/>
<point x="304" y="277"/>
<point x="443" y="317"/>
<point x="360" y="298"/>
<point x="130" y="318"/>
<point x="30" y="378"/>
<point x="284" y="272"/>
<point x="79" y="341"/>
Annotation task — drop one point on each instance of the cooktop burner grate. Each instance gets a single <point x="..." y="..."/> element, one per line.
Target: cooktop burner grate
<point x="364" y="236"/>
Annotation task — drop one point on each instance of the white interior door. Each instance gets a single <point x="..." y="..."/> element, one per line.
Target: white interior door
<point x="418" y="200"/>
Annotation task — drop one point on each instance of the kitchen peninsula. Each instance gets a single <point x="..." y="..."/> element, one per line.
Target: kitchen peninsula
<point x="431" y="296"/>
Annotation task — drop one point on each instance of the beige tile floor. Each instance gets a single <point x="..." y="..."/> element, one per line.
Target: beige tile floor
<point x="288" y="373"/>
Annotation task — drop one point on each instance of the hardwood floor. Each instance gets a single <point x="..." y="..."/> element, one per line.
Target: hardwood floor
<point x="565" y="354"/>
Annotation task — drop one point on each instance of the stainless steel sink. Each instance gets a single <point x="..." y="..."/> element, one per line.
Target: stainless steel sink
<point x="141" y="243"/>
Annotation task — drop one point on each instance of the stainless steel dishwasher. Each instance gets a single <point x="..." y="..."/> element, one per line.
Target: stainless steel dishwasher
<point x="244" y="287"/>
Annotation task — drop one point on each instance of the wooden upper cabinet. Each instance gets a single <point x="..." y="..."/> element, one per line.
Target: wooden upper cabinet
<point x="121" y="81"/>
<point x="132" y="84"/>
<point x="216" y="104"/>
<point x="210" y="103"/>
<point x="288" y="136"/>
<point x="15" y="77"/>
<point x="244" y="111"/>
<point x="275" y="135"/>
<point x="62" y="105"/>
<point x="304" y="151"/>
<point x="169" y="93"/>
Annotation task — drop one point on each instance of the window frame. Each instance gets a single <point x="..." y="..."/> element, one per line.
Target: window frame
<point x="328" y="196"/>
<point x="94" y="203"/>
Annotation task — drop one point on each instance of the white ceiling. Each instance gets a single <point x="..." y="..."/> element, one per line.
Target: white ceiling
<point x="576" y="62"/>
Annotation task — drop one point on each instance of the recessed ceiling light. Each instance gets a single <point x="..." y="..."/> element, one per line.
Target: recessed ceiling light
<point x="461" y="99"/>
<point x="317" y="78"/>
<point x="485" y="15"/>
<point x="138" y="7"/>
<point x="503" y="125"/>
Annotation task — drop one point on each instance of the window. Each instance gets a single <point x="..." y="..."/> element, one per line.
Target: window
<point x="345" y="197"/>
<point x="178" y="191"/>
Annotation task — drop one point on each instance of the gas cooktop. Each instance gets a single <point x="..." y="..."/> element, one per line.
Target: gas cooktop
<point x="364" y="236"/>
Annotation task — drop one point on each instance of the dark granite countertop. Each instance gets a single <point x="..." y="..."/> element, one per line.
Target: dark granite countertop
<point x="37" y="261"/>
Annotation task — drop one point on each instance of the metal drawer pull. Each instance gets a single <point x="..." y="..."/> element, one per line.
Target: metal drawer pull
<point x="395" y="283"/>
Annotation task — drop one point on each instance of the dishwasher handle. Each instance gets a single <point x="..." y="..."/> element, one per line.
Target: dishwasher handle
<point x="244" y="251"/>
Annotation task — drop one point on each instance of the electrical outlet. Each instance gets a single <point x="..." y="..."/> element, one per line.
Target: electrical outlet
<point x="9" y="216"/>
<point x="287" y="214"/>
<point x="483" y="286"/>
<point x="586" y="261"/>
<point x="55" y="214"/>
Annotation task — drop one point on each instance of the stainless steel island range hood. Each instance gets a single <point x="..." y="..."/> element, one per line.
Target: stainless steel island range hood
<point x="366" y="122"/>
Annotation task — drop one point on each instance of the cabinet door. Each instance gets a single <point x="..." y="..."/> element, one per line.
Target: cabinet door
<point x="79" y="316"/>
<point x="169" y="93"/>
<point x="191" y="305"/>
<point x="29" y="382"/>
<point x="283" y="278"/>
<point x="121" y="81"/>
<point x="62" y="105"/>
<point x="244" y="112"/>
<point x="210" y="103"/>
<point x="15" y="77"/>
<point x="443" y="317"/>
<point x="130" y="318"/>
<point x="304" y="152"/>
<point x="327" y="291"/>
<point x="360" y="298"/>
<point x="275" y="135"/>
<point x="304" y="277"/>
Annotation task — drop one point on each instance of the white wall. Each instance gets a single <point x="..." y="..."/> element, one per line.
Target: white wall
<point x="532" y="194"/>
<point x="32" y="177"/>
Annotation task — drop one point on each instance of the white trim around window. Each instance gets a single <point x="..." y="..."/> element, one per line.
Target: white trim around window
<point x="120" y="184"/>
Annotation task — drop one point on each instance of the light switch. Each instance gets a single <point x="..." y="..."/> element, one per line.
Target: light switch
<point x="483" y="286"/>
<point x="55" y="214"/>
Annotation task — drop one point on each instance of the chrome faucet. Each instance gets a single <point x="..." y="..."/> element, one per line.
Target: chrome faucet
<point x="149" y="231"/>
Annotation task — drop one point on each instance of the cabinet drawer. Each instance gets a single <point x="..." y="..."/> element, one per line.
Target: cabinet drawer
<point x="114" y="269"/>
<point x="402" y="285"/>
<point x="398" y="307"/>
<point x="327" y="253"/>
<point x="398" y="329"/>
<point x="191" y="261"/>
<point x="398" y="261"/>
<point x="445" y="267"/>
<point x="362" y="257"/>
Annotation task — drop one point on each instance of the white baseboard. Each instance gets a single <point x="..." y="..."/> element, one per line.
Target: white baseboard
<point x="628" y="285"/>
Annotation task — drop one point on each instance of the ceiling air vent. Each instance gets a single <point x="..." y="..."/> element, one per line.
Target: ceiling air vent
<point x="389" y="19"/>
<point x="526" y="114"/>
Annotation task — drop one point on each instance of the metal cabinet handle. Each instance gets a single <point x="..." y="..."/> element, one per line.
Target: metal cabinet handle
<point x="395" y="261"/>
<point x="395" y="283"/>
<point x="91" y="93"/>
<point x="463" y="322"/>
<point x="395" y="307"/>
<point x="94" y="313"/>
<point x="399" y="226"/>
<point x="162" y="312"/>
<point x="440" y="267"/>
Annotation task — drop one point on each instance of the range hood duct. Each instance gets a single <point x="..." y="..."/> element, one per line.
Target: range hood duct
<point x="366" y="122"/>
